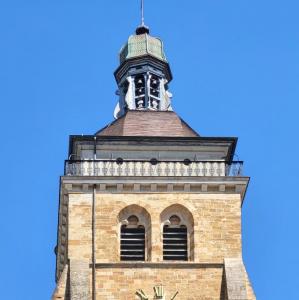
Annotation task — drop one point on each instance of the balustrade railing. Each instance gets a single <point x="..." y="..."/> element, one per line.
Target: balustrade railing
<point x="154" y="167"/>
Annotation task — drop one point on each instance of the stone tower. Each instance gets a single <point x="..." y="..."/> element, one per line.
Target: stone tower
<point x="149" y="209"/>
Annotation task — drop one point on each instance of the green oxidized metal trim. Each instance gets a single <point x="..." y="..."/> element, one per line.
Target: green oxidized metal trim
<point x="143" y="44"/>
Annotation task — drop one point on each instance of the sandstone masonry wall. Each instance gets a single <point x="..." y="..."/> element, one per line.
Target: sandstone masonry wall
<point x="192" y="284"/>
<point x="216" y="230"/>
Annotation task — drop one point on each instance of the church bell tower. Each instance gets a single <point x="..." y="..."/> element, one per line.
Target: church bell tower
<point x="150" y="209"/>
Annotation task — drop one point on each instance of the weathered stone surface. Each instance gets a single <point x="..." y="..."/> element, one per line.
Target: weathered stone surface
<point x="79" y="280"/>
<point x="249" y="289"/>
<point x="61" y="288"/>
<point x="79" y="230"/>
<point x="235" y="279"/>
<point x="192" y="284"/>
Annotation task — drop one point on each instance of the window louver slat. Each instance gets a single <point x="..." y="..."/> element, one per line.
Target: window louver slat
<point x="132" y="245"/>
<point x="175" y="243"/>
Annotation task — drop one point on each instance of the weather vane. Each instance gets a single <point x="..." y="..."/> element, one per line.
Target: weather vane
<point x="142" y="12"/>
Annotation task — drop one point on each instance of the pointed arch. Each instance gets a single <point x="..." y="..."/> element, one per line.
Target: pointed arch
<point x="134" y="233"/>
<point x="177" y="227"/>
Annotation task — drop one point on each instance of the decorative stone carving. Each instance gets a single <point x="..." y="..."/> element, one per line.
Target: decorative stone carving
<point x="125" y="101"/>
<point x="130" y="99"/>
<point x="166" y="96"/>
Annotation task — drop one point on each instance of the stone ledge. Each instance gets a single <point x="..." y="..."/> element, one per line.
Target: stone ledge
<point x="154" y="265"/>
<point x="172" y="179"/>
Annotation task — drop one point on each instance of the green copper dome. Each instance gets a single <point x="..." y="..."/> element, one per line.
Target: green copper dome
<point x="140" y="45"/>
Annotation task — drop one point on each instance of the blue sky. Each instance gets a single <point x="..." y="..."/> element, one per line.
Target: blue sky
<point x="236" y="70"/>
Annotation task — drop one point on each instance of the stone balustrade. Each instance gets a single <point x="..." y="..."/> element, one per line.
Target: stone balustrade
<point x="148" y="168"/>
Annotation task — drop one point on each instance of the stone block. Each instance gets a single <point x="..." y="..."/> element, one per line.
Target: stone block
<point x="79" y="280"/>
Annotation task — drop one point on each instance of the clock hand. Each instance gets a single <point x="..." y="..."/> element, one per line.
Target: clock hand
<point x="142" y="295"/>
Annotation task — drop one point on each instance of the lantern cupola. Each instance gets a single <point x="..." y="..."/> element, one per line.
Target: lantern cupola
<point x="143" y="75"/>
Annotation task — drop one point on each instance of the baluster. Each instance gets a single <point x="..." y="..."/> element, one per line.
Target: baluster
<point x="182" y="169"/>
<point x="80" y="167"/>
<point x="131" y="169"/>
<point x="105" y="168"/>
<point x="159" y="169"/>
<point x="118" y="169"/>
<point x="163" y="169"/>
<point x="194" y="167"/>
<point x="189" y="169"/>
<point x="221" y="169"/>
<point x="89" y="168"/>
<point x="217" y="169"/>
<point x="138" y="169"/>
<point x="111" y="168"/>
<point x="151" y="169"/>
<point x="198" y="169"/>
<point x="147" y="168"/>
<point x="97" y="168"/>
<point x="84" y="169"/>
<point x="126" y="168"/>
<point x="213" y="168"/>
<point x="171" y="169"/>
<point x="204" y="169"/>
<point x="135" y="168"/>
<point x="100" y="168"/>
<point x="166" y="169"/>
<point x="174" y="169"/>
<point x="177" y="169"/>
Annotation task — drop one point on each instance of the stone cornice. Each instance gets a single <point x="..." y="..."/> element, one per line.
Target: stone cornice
<point x="203" y="184"/>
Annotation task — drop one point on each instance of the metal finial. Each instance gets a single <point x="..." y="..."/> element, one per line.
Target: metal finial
<point x="142" y="12"/>
<point x="142" y="29"/>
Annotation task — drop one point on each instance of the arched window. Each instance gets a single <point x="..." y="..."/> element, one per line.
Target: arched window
<point x="175" y="240"/>
<point x="134" y="234"/>
<point x="139" y="82"/>
<point x="132" y="240"/>
<point x="154" y="92"/>
<point x="177" y="225"/>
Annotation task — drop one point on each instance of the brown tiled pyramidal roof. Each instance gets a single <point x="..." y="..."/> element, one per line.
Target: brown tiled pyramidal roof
<point x="149" y="123"/>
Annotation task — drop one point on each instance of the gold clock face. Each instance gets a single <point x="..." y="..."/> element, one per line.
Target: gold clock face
<point x="158" y="294"/>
